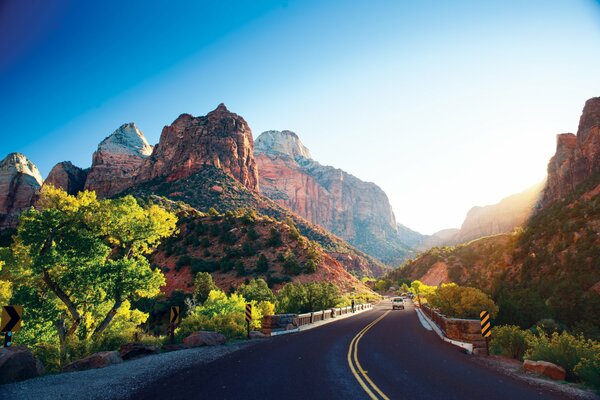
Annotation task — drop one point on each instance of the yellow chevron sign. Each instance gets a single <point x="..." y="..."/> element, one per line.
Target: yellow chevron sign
<point x="248" y="312"/>
<point x="175" y="317"/>
<point x="486" y="325"/>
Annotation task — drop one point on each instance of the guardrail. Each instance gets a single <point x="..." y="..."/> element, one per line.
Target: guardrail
<point x="309" y="318"/>
<point x="457" y="329"/>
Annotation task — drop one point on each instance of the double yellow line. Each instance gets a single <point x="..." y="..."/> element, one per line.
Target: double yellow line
<point x="361" y="375"/>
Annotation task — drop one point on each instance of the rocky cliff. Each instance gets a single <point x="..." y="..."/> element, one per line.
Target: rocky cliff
<point x="350" y="208"/>
<point x="577" y="156"/>
<point x="221" y="139"/>
<point x="68" y="177"/>
<point x="20" y="181"/>
<point x="117" y="161"/>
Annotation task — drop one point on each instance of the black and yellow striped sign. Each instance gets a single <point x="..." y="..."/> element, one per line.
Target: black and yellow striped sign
<point x="248" y="312"/>
<point x="486" y="325"/>
<point x="175" y="317"/>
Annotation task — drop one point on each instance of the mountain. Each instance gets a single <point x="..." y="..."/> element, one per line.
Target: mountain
<point x="439" y="238"/>
<point x="20" y="181"/>
<point x="411" y="238"/>
<point x="357" y="211"/>
<point x="549" y="269"/>
<point x="68" y="177"/>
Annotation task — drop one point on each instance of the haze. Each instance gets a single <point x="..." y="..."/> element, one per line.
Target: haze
<point x="445" y="105"/>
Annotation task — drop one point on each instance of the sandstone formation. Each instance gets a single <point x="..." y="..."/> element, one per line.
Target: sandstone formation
<point x="350" y="208"/>
<point x="577" y="156"/>
<point x="221" y="139"/>
<point x="118" y="161"/>
<point x="68" y="177"/>
<point x="546" y="368"/>
<point x="20" y="181"/>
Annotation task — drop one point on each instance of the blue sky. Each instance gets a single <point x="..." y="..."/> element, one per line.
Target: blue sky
<point x="445" y="105"/>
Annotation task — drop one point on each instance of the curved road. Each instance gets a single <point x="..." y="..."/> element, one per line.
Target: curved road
<point x="400" y="357"/>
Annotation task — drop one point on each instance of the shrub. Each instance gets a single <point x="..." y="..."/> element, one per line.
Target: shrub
<point x="461" y="301"/>
<point x="203" y="285"/>
<point x="563" y="349"/>
<point x="310" y="266"/>
<point x="240" y="269"/>
<point x="248" y="249"/>
<point x="257" y="290"/>
<point x="48" y="354"/>
<point x="588" y="370"/>
<point x="510" y="341"/>
<point x="301" y="298"/>
<point x="274" y="238"/>
<point x="291" y="264"/>
<point x="262" y="265"/>
<point x="251" y="233"/>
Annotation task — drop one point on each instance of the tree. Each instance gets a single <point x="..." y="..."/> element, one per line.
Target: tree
<point x="203" y="284"/>
<point x="262" y="265"/>
<point x="258" y="290"/>
<point x="461" y="301"/>
<point x="274" y="238"/>
<point x="421" y="290"/>
<point x="314" y="296"/>
<point x="5" y="288"/>
<point x="87" y="257"/>
<point x="404" y="288"/>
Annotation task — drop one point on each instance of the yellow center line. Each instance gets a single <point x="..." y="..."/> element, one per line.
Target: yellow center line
<point x="353" y="354"/>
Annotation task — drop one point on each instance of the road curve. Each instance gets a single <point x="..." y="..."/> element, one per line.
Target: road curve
<point x="400" y="357"/>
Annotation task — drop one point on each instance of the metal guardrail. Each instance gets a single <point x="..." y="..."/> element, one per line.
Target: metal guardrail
<point x="309" y="318"/>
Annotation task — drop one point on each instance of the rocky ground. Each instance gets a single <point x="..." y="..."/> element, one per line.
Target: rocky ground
<point x="116" y="381"/>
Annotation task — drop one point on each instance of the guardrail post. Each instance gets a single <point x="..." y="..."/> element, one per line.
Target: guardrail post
<point x="311" y="317"/>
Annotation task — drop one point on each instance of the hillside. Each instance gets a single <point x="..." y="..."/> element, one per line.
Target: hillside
<point x="212" y="188"/>
<point x="237" y="246"/>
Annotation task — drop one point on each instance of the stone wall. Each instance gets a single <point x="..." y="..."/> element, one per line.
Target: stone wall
<point x="463" y="330"/>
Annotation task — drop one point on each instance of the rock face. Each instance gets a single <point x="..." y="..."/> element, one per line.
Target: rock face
<point x="221" y="139"/>
<point x="118" y="161"/>
<point x="68" y="177"/>
<point x="20" y="182"/>
<point x="503" y="217"/>
<point x="350" y="208"/>
<point x="577" y="156"/>
<point x="18" y="363"/>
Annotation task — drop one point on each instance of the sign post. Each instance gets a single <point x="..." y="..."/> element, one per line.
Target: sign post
<point x="11" y="322"/>
<point x="174" y="320"/>
<point x="486" y="329"/>
<point x="248" y="318"/>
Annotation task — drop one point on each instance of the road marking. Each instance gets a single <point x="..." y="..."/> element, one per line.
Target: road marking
<point x="365" y="382"/>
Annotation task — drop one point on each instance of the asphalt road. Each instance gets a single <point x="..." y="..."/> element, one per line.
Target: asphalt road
<point x="400" y="358"/>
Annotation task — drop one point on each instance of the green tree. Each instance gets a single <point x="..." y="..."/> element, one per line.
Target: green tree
<point x="274" y="238"/>
<point x="262" y="265"/>
<point x="314" y="296"/>
<point x="203" y="284"/>
<point x="258" y="290"/>
<point x="461" y="301"/>
<point x="86" y="257"/>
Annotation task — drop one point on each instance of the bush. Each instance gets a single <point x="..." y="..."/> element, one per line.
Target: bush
<point x="274" y="238"/>
<point x="588" y="370"/>
<point x="310" y="267"/>
<point x="262" y="265"/>
<point x="203" y="285"/>
<point x="461" y="301"/>
<point x="510" y="341"/>
<point x="301" y="298"/>
<point x="257" y="290"/>
<point x="565" y="350"/>
<point x="48" y="354"/>
<point x="290" y="264"/>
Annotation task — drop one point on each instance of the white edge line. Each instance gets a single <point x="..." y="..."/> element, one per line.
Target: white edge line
<point x="467" y="346"/>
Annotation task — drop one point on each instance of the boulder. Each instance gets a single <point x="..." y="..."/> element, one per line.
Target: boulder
<point x="96" y="360"/>
<point x="257" y="335"/>
<point x="204" y="338"/>
<point x="133" y="350"/>
<point x="174" y="347"/>
<point x="18" y="363"/>
<point x="546" y="368"/>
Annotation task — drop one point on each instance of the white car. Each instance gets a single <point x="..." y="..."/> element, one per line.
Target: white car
<point x="397" y="302"/>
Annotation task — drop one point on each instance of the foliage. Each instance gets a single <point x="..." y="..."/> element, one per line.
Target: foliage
<point x="461" y="301"/>
<point x="262" y="265"/>
<point x="76" y="261"/>
<point x="203" y="285"/>
<point x="5" y="287"/>
<point x="510" y="341"/>
<point x="301" y="298"/>
<point x="290" y="263"/>
<point x="257" y="290"/>
<point x="274" y="239"/>
<point x="422" y="290"/>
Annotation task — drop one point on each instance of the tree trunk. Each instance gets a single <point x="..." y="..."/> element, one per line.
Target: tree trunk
<point x="62" y="338"/>
<point x="66" y="300"/>
<point x="109" y="317"/>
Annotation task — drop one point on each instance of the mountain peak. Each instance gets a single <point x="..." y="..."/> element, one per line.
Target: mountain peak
<point x="281" y="142"/>
<point x="128" y="139"/>
<point x="19" y="163"/>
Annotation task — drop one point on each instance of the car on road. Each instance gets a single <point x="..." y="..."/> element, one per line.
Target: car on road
<point x="397" y="303"/>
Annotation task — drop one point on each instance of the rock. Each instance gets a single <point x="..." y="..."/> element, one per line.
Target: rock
<point x="68" y="177"/>
<point x="221" y="139"/>
<point x="117" y="161"/>
<point x="174" y="347"/>
<point x="96" y="360"/>
<point x="204" y="338"/>
<point x="128" y="351"/>
<point x="357" y="211"/>
<point x="257" y="335"/>
<point x="17" y="363"/>
<point x="280" y="321"/>
<point x="20" y="182"/>
<point x="577" y="156"/>
<point x="548" y="369"/>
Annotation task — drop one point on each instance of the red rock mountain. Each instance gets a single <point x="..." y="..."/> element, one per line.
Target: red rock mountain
<point x="20" y="181"/>
<point x="577" y="157"/>
<point x="221" y="139"/>
<point x="355" y="210"/>
<point x="68" y="177"/>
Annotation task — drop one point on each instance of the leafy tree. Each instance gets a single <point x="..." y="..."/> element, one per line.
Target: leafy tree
<point x="404" y="288"/>
<point x="461" y="301"/>
<point x="310" y="266"/>
<point x="300" y="298"/>
<point x="5" y="288"/>
<point x="203" y="285"/>
<point x="274" y="238"/>
<point x="258" y="290"/>
<point x="262" y="264"/>
<point x="85" y="257"/>
<point x="291" y="264"/>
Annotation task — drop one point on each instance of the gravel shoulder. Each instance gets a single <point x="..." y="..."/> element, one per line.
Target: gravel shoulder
<point x="514" y="368"/>
<point x="115" y="381"/>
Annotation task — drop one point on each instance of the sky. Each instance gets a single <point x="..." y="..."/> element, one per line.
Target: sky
<point x="444" y="105"/>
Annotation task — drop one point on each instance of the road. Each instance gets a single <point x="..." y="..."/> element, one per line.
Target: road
<point x="398" y="356"/>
